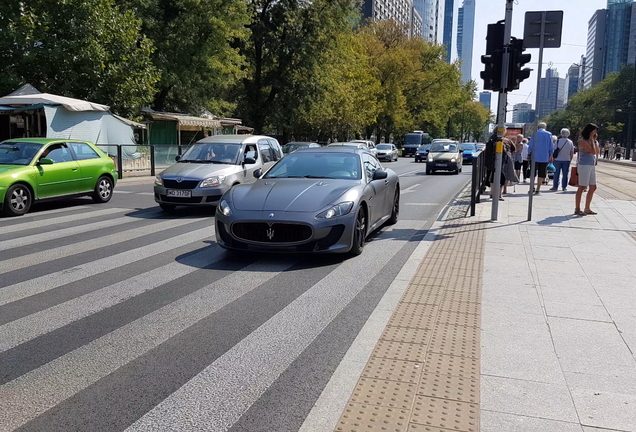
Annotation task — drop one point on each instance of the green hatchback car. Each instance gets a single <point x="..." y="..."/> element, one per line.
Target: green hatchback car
<point x="35" y="169"/>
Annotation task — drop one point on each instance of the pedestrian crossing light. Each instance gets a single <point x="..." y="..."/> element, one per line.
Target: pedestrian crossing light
<point x="517" y="60"/>
<point x="492" y="72"/>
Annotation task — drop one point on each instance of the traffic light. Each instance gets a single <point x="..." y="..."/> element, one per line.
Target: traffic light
<point x="517" y="72"/>
<point x="492" y="73"/>
<point x="494" y="57"/>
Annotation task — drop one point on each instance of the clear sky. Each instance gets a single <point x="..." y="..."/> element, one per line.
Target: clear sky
<point x="576" y="14"/>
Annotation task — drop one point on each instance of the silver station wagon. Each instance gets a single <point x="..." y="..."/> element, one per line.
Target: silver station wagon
<point x="212" y="166"/>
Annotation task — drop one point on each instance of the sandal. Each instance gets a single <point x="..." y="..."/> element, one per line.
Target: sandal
<point x="589" y="212"/>
<point x="579" y="212"/>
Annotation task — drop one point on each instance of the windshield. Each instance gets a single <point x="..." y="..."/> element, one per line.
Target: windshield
<point x="317" y="165"/>
<point x="289" y="147"/>
<point x="413" y="139"/>
<point x="18" y="153"/>
<point x="444" y="147"/>
<point x="468" y="146"/>
<point x="383" y="146"/>
<point x="219" y="153"/>
<point x="424" y="148"/>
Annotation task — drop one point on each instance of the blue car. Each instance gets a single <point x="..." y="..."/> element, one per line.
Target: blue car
<point x="468" y="150"/>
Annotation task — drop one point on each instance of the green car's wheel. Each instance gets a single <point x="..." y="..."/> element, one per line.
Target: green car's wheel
<point x="359" y="233"/>
<point x="18" y="200"/>
<point x="103" y="190"/>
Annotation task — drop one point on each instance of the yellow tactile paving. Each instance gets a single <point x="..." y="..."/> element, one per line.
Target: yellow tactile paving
<point x="423" y="374"/>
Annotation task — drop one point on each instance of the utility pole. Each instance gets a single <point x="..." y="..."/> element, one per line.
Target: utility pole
<point x="501" y="112"/>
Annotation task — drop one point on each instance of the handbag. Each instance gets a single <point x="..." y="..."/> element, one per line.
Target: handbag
<point x="574" y="172"/>
<point x="574" y="177"/>
<point x="550" y="168"/>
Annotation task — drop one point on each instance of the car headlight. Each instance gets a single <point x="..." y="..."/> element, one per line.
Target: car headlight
<point x="158" y="181"/>
<point x="430" y="159"/>
<point x="224" y="208"/>
<point x="335" y="211"/>
<point x="453" y="160"/>
<point x="212" y="181"/>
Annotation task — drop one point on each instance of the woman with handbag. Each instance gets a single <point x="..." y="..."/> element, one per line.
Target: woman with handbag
<point x="587" y="160"/>
<point x="562" y="156"/>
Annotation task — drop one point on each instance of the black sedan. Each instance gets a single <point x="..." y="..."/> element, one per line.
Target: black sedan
<point x="325" y="200"/>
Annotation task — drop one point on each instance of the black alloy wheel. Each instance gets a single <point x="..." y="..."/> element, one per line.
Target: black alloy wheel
<point x="359" y="232"/>
<point x="395" y="211"/>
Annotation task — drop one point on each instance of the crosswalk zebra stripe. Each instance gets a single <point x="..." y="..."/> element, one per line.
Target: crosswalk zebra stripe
<point x="66" y="232"/>
<point x="217" y="397"/>
<point x="88" y="245"/>
<point x="61" y="219"/>
<point x="41" y="284"/>
<point x="19" y="331"/>
<point x="32" y="394"/>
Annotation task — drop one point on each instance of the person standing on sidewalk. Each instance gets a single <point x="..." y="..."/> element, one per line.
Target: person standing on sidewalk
<point x="541" y="146"/>
<point x="588" y="155"/>
<point x="518" y="157"/>
<point x="562" y="155"/>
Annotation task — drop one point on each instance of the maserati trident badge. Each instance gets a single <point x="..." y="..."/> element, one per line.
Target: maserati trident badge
<point x="270" y="233"/>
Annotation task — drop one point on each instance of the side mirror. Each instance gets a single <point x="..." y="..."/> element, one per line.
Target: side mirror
<point x="258" y="173"/>
<point x="177" y="158"/>
<point x="249" y="161"/>
<point x="45" y="161"/>
<point x="380" y="174"/>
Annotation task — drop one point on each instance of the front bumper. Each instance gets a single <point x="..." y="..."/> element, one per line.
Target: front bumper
<point x="388" y="156"/>
<point x="442" y="166"/>
<point x="198" y="196"/>
<point x="419" y="157"/>
<point x="271" y="234"/>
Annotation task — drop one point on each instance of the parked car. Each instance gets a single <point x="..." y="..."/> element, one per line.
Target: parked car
<point x="212" y="166"/>
<point x="370" y="145"/>
<point x="444" y="155"/>
<point x="38" y="169"/>
<point x="325" y="200"/>
<point x="387" y="152"/>
<point x="468" y="150"/>
<point x="422" y="153"/>
<point x="293" y="146"/>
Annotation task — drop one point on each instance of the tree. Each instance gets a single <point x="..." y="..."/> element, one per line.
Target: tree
<point x="194" y="55"/>
<point x="87" y="49"/>
<point x="285" y="49"/>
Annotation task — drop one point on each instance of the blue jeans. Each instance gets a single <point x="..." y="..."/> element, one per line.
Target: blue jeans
<point x="561" y="167"/>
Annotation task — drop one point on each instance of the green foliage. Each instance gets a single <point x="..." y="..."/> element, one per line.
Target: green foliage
<point x="88" y="49"/>
<point x="193" y="51"/>
<point x="288" y="43"/>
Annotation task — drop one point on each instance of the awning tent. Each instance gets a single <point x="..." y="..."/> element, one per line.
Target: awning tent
<point x="70" y="118"/>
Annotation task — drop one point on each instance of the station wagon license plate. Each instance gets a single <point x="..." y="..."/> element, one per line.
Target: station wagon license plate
<point x="440" y="164"/>
<point x="179" y="193"/>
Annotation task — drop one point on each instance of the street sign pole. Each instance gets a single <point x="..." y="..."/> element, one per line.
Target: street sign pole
<point x="541" y="30"/>
<point x="501" y="113"/>
<point x="536" y="118"/>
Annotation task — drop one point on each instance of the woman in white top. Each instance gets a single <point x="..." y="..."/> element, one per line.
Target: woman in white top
<point x="564" y="151"/>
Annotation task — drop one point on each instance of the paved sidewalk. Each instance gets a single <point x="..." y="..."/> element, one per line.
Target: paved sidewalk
<point x="559" y="315"/>
<point x="511" y="325"/>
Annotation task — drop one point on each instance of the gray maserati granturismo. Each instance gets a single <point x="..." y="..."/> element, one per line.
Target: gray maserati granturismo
<point x="323" y="200"/>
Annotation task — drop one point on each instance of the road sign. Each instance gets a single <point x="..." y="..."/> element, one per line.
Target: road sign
<point x="553" y="27"/>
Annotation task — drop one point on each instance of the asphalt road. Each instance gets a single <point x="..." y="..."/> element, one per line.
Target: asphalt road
<point x="121" y="317"/>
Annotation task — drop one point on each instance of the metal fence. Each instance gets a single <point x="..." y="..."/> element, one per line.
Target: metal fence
<point x="479" y="180"/>
<point x="131" y="159"/>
